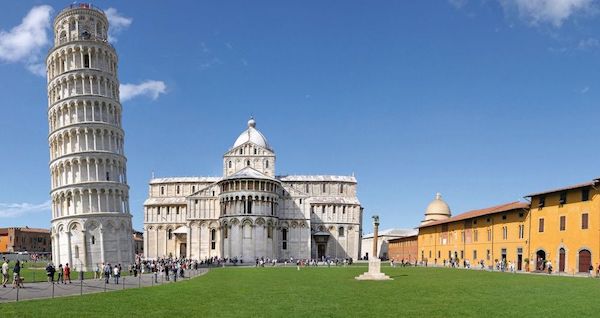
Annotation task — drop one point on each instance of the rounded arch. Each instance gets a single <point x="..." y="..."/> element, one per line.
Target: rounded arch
<point x="584" y="260"/>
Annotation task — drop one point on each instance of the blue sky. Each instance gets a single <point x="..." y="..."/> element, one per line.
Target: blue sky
<point x="483" y="101"/>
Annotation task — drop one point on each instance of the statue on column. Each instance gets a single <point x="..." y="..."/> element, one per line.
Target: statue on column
<point x="374" y="272"/>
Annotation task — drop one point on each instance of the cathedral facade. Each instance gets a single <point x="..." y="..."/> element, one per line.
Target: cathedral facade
<point x="250" y="212"/>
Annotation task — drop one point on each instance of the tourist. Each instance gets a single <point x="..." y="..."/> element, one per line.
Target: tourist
<point x="97" y="271"/>
<point x="298" y="264"/>
<point x="116" y="274"/>
<point x="591" y="269"/>
<point x="17" y="275"/>
<point x="50" y="272"/>
<point x="598" y="271"/>
<point x="67" y="272"/>
<point x="60" y="278"/>
<point x="107" y="270"/>
<point x="549" y="267"/>
<point x="4" y="272"/>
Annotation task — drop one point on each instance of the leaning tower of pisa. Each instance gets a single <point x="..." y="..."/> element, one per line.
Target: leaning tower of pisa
<point x="91" y="222"/>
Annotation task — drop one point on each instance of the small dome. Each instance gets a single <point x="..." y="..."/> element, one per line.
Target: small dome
<point x="437" y="210"/>
<point x="252" y="135"/>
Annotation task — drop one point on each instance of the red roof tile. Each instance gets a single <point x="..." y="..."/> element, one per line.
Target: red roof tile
<point x="476" y="213"/>
<point x="575" y="186"/>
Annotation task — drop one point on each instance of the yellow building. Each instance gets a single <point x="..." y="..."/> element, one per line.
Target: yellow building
<point x="483" y="236"/>
<point x="565" y="225"/>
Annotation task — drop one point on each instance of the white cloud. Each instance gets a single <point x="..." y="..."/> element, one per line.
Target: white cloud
<point x="148" y="88"/>
<point x="585" y="90"/>
<point x="9" y="210"/>
<point x="589" y="43"/>
<point x="210" y="63"/>
<point x="458" y="3"/>
<point x="555" y="12"/>
<point x="116" y="22"/>
<point x="24" y="42"/>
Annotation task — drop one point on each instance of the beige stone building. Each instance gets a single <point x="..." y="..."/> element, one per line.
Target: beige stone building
<point x="250" y="212"/>
<point x="24" y="239"/>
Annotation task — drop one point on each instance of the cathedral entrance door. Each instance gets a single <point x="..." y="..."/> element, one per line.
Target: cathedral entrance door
<point x="182" y="250"/>
<point x="321" y="250"/>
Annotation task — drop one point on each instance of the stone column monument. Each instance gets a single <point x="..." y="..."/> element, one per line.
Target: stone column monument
<point x="374" y="272"/>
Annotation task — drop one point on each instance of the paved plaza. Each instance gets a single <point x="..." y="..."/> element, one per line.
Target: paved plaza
<point x="88" y="286"/>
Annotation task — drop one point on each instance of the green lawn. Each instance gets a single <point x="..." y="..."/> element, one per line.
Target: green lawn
<point x="333" y="292"/>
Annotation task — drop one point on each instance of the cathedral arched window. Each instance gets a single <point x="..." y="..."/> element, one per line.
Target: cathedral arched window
<point x="76" y="252"/>
<point x="270" y="231"/>
<point x="170" y="234"/>
<point x="93" y="239"/>
<point x="255" y="151"/>
<point x="241" y="151"/>
<point x="229" y="163"/>
<point x="324" y="189"/>
<point x="162" y="190"/>
<point x="267" y="164"/>
<point x="341" y="231"/>
<point x="341" y="188"/>
<point x="284" y="233"/>
<point x="247" y="162"/>
<point x="213" y="239"/>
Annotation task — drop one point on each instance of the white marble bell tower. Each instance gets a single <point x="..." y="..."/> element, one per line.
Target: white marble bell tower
<point x="91" y="222"/>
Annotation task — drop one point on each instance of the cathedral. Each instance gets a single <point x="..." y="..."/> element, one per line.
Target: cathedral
<point x="250" y="212"/>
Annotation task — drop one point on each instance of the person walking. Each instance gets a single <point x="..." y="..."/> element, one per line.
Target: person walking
<point x="116" y="274"/>
<point x="61" y="272"/>
<point x="97" y="271"/>
<point x="67" y="273"/>
<point x="4" y="272"/>
<point x="50" y="272"/>
<point x="17" y="275"/>
<point x="106" y="269"/>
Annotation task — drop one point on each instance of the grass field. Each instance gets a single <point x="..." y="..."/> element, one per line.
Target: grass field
<point x="333" y="292"/>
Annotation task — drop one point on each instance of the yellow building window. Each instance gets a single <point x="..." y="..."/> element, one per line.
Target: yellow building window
<point x="475" y="235"/>
<point x="489" y="234"/>
<point x="521" y="231"/>
<point x="504" y="232"/>
<point x="563" y="221"/>
<point x="584" y="221"/>
<point x="541" y="225"/>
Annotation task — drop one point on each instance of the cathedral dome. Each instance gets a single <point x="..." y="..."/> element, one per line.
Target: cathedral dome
<point x="437" y="210"/>
<point x="252" y="135"/>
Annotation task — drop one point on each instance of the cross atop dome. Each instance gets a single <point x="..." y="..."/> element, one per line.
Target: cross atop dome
<point x="252" y="122"/>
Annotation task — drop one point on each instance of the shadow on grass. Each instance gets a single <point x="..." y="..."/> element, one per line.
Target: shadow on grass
<point x="395" y="276"/>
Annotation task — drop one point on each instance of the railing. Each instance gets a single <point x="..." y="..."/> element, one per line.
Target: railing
<point x="81" y="5"/>
<point x="82" y="37"/>
<point x="80" y="283"/>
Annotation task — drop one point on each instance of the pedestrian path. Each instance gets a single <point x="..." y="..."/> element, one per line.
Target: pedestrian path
<point x="87" y="286"/>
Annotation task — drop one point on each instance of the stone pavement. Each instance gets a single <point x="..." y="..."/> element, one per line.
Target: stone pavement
<point x="88" y="286"/>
